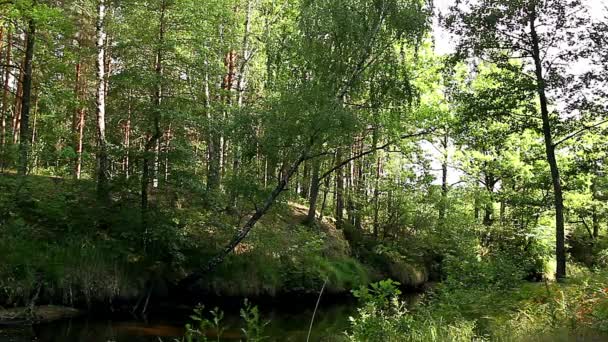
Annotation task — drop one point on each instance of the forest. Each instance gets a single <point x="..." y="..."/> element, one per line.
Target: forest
<point x="303" y="170"/>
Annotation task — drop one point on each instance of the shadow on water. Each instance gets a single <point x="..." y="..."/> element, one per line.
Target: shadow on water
<point x="285" y="323"/>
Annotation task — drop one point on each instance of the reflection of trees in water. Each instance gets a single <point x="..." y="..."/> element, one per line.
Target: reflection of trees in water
<point x="284" y="325"/>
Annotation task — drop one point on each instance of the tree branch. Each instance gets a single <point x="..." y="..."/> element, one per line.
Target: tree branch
<point x="193" y="278"/>
<point x="574" y="134"/>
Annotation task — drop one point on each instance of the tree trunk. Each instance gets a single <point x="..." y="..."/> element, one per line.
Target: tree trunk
<point x="242" y="81"/>
<point x="503" y="211"/>
<point x="241" y="85"/>
<point x="213" y="140"/>
<point x="560" y="249"/>
<point x="594" y="214"/>
<point x="18" y="107"/>
<point x="35" y="132"/>
<point x="78" y="120"/>
<point x="314" y="191"/>
<point x="306" y="188"/>
<point x="339" y="191"/>
<point x="376" y="223"/>
<point x="102" y="153"/>
<point x="153" y="140"/>
<point x="490" y="184"/>
<point x="444" y="177"/>
<point x="326" y="184"/>
<point x="359" y="187"/>
<point x="127" y="141"/>
<point x="24" y="132"/>
<point x="596" y="224"/>
<point x="349" y="190"/>
<point x="168" y="137"/>
<point x="5" y="109"/>
<point x="488" y="212"/>
<point x="476" y="208"/>
<point x="190" y="281"/>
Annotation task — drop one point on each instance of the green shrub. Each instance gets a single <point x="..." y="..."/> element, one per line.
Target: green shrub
<point x="384" y="317"/>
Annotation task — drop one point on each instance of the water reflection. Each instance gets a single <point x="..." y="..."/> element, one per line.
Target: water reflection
<point x="330" y="323"/>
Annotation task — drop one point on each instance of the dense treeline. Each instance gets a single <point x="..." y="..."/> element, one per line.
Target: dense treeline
<point x="194" y="119"/>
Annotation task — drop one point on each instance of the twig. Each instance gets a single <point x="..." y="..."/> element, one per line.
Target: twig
<point x="312" y="320"/>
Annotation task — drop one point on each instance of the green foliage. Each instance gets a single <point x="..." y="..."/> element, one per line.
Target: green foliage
<point x="254" y="326"/>
<point x="283" y="259"/>
<point x="253" y="330"/>
<point x="75" y="272"/>
<point x="198" y="332"/>
<point x="242" y="91"/>
<point x="556" y="312"/>
<point x="384" y="317"/>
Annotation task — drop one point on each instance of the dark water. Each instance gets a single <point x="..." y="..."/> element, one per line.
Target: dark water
<point x="285" y="323"/>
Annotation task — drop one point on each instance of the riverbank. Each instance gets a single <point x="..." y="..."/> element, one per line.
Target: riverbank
<point x="60" y="247"/>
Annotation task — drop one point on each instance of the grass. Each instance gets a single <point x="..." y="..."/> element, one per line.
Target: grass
<point x="551" y="311"/>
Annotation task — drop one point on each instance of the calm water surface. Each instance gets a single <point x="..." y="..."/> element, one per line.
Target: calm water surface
<point x="284" y="324"/>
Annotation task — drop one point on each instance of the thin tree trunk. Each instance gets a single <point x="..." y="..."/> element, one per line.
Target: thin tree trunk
<point x="476" y="208"/>
<point x="560" y="246"/>
<point x="213" y="140"/>
<point x="314" y="192"/>
<point x="596" y="224"/>
<point x="5" y="109"/>
<point x="241" y="84"/>
<point x="339" y="192"/>
<point x="326" y="184"/>
<point x="359" y="187"/>
<point x="444" y="177"/>
<point x="376" y="195"/>
<point x="306" y="188"/>
<point x="156" y="162"/>
<point x="242" y="81"/>
<point x="227" y="88"/>
<point x="102" y="154"/>
<point x="152" y="142"/>
<point x="167" y="150"/>
<point x="2" y="39"/>
<point x="350" y="215"/>
<point x="35" y="132"/>
<point x="18" y="105"/>
<point x="190" y="281"/>
<point x="78" y="120"/>
<point x="24" y="132"/>
<point x="127" y="141"/>
<point x="488" y="213"/>
<point x="503" y="211"/>
<point x="490" y="183"/>
<point x="595" y="215"/>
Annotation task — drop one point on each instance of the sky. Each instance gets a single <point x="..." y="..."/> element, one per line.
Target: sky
<point x="444" y="43"/>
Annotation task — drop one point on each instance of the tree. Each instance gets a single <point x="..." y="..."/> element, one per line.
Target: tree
<point x="26" y="97"/>
<point x="545" y="34"/>
<point x="320" y="97"/>
<point x="102" y="152"/>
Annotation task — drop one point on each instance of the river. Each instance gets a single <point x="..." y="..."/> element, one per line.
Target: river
<point x="286" y="322"/>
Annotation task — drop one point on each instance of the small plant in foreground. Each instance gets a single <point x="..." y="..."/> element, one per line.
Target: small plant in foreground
<point x="254" y="327"/>
<point x="203" y="325"/>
